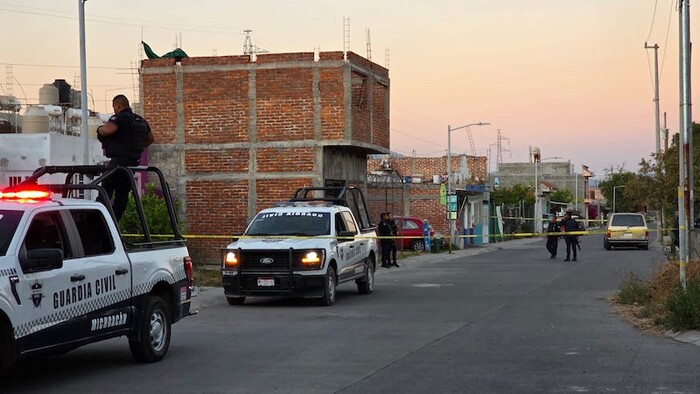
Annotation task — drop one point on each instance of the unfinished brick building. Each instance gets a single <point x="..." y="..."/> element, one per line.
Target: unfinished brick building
<point x="235" y="134"/>
<point x="419" y="195"/>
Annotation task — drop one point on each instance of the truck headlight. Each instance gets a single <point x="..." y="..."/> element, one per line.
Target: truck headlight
<point x="230" y="260"/>
<point x="310" y="259"/>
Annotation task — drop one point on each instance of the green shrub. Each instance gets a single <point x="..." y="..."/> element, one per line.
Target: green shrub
<point x="634" y="290"/>
<point x="156" y="212"/>
<point x="684" y="307"/>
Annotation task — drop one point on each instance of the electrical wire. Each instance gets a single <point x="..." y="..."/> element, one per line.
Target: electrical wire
<point x="653" y="18"/>
<point x="152" y="25"/>
<point x="668" y="29"/>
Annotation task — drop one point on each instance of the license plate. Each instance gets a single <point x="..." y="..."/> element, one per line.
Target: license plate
<point x="627" y="235"/>
<point x="266" y="282"/>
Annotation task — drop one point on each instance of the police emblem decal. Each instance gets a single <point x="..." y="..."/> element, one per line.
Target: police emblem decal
<point x="36" y="294"/>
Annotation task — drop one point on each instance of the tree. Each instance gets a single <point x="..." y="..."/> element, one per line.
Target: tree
<point x="617" y="180"/>
<point x="562" y="195"/>
<point x="514" y="195"/>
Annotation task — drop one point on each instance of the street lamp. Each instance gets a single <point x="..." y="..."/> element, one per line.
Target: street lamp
<point x="538" y="209"/>
<point x="615" y="190"/>
<point x="449" y="171"/>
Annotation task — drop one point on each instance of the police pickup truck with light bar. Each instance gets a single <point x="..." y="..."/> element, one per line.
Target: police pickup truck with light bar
<point x="304" y="248"/>
<point x="69" y="278"/>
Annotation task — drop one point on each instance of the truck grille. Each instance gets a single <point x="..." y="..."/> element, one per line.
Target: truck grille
<point x="264" y="260"/>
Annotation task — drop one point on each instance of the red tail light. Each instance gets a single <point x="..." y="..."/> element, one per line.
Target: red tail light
<point x="608" y="233"/>
<point x="189" y="270"/>
<point x="646" y="234"/>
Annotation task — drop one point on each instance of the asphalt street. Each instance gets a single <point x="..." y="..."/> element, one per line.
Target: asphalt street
<point x="498" y="319"/>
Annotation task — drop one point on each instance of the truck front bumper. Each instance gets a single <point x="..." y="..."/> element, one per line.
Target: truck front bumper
<point x="273" y="284"/>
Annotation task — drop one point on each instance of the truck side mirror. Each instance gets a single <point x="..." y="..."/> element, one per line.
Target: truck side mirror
<point x="42" y="260"/>
<point x="345" y="236"/>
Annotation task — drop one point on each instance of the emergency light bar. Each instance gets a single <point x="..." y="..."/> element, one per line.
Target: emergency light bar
<point x="303" y="204"/>
<point x="25" y="196"/>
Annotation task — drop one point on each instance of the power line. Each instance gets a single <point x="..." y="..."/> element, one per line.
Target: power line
<point x="111" y="21"/>
<point x="653" y="18"/>
<point x="62" y="66"/>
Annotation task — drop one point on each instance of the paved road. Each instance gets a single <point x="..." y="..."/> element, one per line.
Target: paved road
<point x="492" y="320"/>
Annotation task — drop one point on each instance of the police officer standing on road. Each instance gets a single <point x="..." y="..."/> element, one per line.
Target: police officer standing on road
<point x="570" y="225"/>
<point x="552" y="237"/>
<point x="123" y="137"/>
<point x="384" y="232"/>
<point x="394" y="233"/>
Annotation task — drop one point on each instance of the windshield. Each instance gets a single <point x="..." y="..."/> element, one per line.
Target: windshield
<point x="291" y="223"/>
<point x="628" y="220"/>
<point x="8" y="225"/>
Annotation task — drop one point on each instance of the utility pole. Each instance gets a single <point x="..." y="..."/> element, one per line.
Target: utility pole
<point x="655" y="47"/>
<point x="657" y="132"/>
<point x="685" y="158"/>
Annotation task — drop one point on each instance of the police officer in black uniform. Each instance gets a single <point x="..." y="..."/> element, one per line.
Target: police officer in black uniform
<point x="384" y="233"/>
<point x="570" y="225"/>
<point x="123" y="137"/>
<point x="394" y="232"/>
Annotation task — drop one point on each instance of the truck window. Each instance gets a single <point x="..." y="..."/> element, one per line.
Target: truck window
<point x="349" y="222"/>
<point x="8" y="225"/>
<point x="339" y="223"/>
<point x="46" y="231"/>
<point x="290" y="223"/>
<point x="94" y="232"/>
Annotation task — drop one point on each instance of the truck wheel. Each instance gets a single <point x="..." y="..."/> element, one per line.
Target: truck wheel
<point x="7" y="346"/>
<point x="366" y="284"/>
<point x="328" y="297"/>
<point x="235" y="300"/>
<point x="418" y="245"/>
<point x="151" y="341"/>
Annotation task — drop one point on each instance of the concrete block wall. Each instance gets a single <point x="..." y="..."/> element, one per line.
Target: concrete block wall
<point x="234" y="136"/>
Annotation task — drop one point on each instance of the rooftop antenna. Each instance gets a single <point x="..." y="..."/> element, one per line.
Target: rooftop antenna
<point x="9" y="76"/>
<point x="369" y="46"/>
<point x="386" y="58"/>
<point x="248" y="43"/>
<point x="248" y="47"/>
<point x="346" y="37"/>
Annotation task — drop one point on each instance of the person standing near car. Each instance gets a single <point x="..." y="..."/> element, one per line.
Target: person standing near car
<point x="384" y="233"/>
<point x="394" y="233"/>
<point x="569" y="225"/>
<point x="123" y="137"/>
<point x="552" y="237"/>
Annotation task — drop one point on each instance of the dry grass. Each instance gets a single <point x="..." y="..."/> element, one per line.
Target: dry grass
<point x="650" y="316"/>
<point x="207" y="276"/>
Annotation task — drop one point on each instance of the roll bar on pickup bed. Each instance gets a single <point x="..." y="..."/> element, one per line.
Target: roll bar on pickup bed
<point x="348" y="196"/>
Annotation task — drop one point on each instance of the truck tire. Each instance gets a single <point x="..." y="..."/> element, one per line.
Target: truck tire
<point x="7" y="346"/>
<point x="235" y="300"/>
<point x="152" y="338"/>
<point x="328" y="297"/>
<point x="366" y="285"/>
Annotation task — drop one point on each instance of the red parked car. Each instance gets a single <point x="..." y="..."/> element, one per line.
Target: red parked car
<point x="412" y="229"/>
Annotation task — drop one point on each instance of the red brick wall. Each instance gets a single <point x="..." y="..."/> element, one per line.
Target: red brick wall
<point x="271" y="191"/>
<point x="332" y="103"/>
<point x="212" y="216"/>
<point x="159" y="106"/>
<point x="285" y="104"/>
<point x="429" y="166"/>
<point x="219" y="113"/>
<point x="209" y="160"/>
<point x="286" y="159"/>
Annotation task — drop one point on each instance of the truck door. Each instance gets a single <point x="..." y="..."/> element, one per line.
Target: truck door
<point x="355" y="253"/>
<point x="67" y="302"/>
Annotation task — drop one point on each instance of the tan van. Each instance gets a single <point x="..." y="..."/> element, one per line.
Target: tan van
<point x="626" y="229"/>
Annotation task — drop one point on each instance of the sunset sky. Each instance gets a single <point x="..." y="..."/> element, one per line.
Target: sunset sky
<point x="571" y="77"/>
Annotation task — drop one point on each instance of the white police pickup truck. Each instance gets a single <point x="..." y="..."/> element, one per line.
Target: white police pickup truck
<point x="68" y="278"/>
<point x="304" y="248"/>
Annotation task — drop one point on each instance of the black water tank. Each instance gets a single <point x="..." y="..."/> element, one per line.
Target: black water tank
<point x="64" y="96"/>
